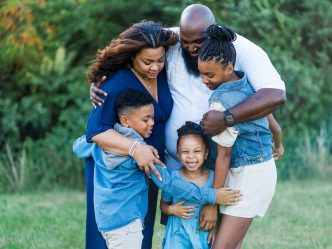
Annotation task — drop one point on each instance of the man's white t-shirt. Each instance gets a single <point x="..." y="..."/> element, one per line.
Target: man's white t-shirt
<point x="191" y="96"/>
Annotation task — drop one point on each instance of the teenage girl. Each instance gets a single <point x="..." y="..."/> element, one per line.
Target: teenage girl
<point x="245" y="150"/>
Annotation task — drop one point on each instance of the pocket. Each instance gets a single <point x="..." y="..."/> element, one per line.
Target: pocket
<point x="135" y="226"/>
<point x="236" y="170"/>
<point x="237" y="177"/>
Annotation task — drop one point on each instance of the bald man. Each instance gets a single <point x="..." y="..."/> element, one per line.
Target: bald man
<point x="191" y="96"/>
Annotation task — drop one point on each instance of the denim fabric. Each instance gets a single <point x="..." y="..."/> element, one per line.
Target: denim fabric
<point x="184" y="233"/>
<point x="121" y="194"/>
<point x="254" y="142"/>
<point x="93" y="238"/>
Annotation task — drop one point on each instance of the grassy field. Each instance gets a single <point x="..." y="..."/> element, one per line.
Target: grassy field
<point x="300" y="216"/>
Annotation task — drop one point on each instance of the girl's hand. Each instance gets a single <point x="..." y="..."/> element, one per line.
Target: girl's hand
<point x="181" y="211"/>
<point x="208" y="217"/>
<point x="212" y="235"/>
<point x="278" y="152"/>
<point x="228" y="196"/>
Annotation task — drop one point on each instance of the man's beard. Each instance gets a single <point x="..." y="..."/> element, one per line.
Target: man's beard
<point x="191" y="63"/>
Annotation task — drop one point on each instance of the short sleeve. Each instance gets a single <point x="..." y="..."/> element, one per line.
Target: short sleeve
<point x="254" y="61"/>
<point x="228" y="136"/>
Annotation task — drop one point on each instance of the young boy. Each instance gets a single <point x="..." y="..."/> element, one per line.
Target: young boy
<point x="121" y="188"/>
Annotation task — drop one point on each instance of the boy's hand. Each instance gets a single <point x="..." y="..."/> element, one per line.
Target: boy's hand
<point x="228" y="196"/>
<point x="208" y="217"/>
<point x="278" y="152"/>
<point x="94" y="91"/>
<point x="212" y="235"/>
<point x="181" y="211"/>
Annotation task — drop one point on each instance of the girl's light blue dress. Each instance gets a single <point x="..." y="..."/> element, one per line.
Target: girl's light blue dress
<point x="183" y="233"/>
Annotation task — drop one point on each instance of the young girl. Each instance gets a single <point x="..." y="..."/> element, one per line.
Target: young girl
<point x="182" y="230"/>
<point x="244" y="149"/>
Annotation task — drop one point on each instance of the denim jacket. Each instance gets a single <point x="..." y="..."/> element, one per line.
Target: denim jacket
<point x="121" y="188"/>
<point x="254" y="142"/>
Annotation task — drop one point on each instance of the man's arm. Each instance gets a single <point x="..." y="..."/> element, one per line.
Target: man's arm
<point x="95" y="90"/>
<point x="259" y="105"/>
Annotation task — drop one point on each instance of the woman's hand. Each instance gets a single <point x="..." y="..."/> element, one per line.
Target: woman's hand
<point x="208" y="217"/>
<point x="228" y="196"/>
<point x="181" y="211"/>
<point x="95" y="90"/>
<point x="145" y="156"/>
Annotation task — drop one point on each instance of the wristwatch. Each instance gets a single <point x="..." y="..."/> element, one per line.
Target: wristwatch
<point x="229" y="118"/>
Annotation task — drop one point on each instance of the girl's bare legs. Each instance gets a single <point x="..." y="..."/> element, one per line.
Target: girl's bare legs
<point x="231" y="232"/>
<point x="238" y="246"/>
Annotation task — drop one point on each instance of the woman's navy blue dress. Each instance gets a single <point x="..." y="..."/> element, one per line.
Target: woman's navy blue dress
<point x="103" y="118"/>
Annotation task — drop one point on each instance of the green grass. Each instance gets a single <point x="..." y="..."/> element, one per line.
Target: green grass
<point x="300" y="216"/>
<point x="53" y="220"/>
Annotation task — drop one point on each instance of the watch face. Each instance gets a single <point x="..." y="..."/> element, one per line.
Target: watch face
<point x="229" y="119"/>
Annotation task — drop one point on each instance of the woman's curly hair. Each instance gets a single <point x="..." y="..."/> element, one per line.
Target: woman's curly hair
<point x="117" y="54"/>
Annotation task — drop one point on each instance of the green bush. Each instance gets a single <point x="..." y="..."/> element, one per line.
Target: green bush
<point x="46" y="47"/>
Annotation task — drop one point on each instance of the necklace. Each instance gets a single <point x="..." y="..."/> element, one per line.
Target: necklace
<point x="146" y="82"/>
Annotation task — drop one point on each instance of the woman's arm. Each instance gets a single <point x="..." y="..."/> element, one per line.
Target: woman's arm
<point x="145" y="155"/>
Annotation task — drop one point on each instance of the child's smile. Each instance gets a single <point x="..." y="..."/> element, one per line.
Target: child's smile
<point x="192" y="152"/>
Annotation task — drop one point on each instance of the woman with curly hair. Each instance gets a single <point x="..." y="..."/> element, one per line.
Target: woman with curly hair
<point x="133" y="60"/>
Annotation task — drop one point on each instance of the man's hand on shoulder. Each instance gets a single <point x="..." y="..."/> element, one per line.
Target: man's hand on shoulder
<point x="94" y="91"/>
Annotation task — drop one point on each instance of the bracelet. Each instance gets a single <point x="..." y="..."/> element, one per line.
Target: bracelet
<point x="138" y="144"/>
<point x="133" y="147"/>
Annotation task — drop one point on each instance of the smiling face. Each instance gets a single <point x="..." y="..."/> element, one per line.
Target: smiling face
<point x="140" y="119"/>
<point x="149" y="62"/>
<point x="192" y="152"/>
<point x="214" y="74"/>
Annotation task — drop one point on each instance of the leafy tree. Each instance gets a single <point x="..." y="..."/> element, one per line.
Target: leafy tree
<point x="46" y="47"/>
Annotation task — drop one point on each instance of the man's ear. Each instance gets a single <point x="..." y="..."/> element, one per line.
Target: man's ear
<point x="124" y="121"/>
